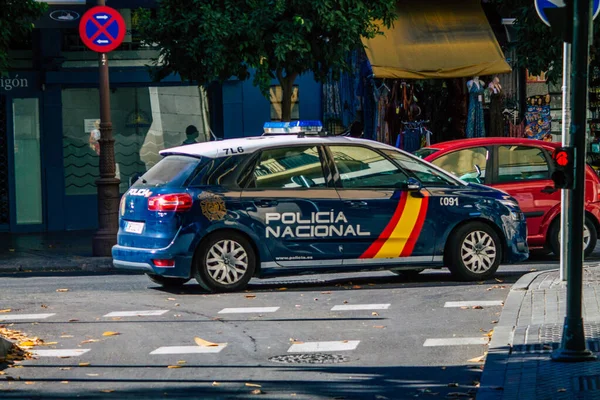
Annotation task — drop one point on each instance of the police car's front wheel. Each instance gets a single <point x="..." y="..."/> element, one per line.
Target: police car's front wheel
<point x="225" y="262"/>
<point x="474" y="252"/>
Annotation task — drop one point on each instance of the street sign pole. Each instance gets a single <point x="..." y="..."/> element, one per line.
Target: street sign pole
<point x="102" y="29"/>
<point x="566" y="194"/>
<point x="573" y="345"/>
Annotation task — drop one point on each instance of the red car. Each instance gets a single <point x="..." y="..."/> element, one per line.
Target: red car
<point x="522" y="168"/>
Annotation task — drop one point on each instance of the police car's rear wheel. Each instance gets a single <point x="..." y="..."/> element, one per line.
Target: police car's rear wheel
<point x="225" y="263"/>
<point x="168" y="282"/>
<point x="474" y="252"/>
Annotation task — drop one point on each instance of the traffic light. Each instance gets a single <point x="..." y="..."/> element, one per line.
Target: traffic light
<point x="564" y="168"/>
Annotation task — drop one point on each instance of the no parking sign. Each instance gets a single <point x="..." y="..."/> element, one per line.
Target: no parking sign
<point x="102" y="29"/>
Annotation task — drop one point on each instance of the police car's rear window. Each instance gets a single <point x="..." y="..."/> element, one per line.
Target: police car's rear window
<point x="170" y="171"/>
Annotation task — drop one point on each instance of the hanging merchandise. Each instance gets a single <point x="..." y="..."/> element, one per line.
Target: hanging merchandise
<point x="475" y="121"/>
<point x="496" y="103"/>
<point x="538" y="118"/>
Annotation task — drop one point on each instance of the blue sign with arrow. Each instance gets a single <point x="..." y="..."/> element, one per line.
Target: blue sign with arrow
<point x="102" y="29"/>
<point x="541" y="5"/>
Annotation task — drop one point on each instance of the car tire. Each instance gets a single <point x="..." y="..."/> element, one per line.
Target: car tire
<point x="224" y="262"/>
<point x="473" y="252"/>
<point x="554" y="234"/>
<point x="408" y="273"/>
<point x="168" y="282"/>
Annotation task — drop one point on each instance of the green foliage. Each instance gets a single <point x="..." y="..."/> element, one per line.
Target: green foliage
<point x="204" y="40"/>
<point x="537" y="48"/>
<point x="16" y="20"/>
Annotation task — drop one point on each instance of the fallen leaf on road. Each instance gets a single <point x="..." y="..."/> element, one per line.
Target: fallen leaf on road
<point x="62" y="290"/>
<point x="50" y="343"/>
<point x="174" y="366"/>
<point x="477" y="308"/>
<point x="356" y="287"/>
<point x="344" y="341"/>
<point x="84" y="364"/>
<point x="325" y="292"/>
<point x="90" y="341"/>
<point x="464" y="307"/>
<point x="30" y="383"/>
<point x="477" y="359"/>
<point x="490" y="333"/>
<point x="204" y="343"/>
<point x="73" y="320"/>
<point x="5" y="310"/>
<point x="378" y="326"/>
<point x="2" y="373"/>
<point x="250" y="296"/>
<point x="257" y="391"/>
<point x="253" y="384"/>
<point x="110" y="333"/>
<point x="27" y="343"/>
<point x="65" y="368"/>
<point x="215" y="383"/>
<point x="181" y="362"/>
<point x="65" y="382"/>
<point x="171" y="298"/>
<point x="532" y="270"/>
<point x="116" y="318"/>
<point x="107" y="390"/>
<point x="374" y="314"/>
<point x="66" y="336"/>
<point x="498" y="280"/>
<point x="93" y="374"/>
<point x="44" y="306"/>
<point x="495" y="321"/>
<point x="282" y="288"/>
<point x="345" y="301"/>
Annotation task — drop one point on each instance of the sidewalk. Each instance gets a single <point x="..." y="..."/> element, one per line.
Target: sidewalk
<point x="518" y="364"/>
<point x="52" y="251"/>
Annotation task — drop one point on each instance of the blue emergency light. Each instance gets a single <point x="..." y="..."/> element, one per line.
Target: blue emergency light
<point x="293" y="127"/>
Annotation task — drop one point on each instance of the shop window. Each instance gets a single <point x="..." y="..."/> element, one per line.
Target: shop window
<point x="462" y="163"/>
<point x="145" y="121"/>
<point x="521" y="163"/>
<point x="289" y="168"/>
<point x="276" y="95"/>
<point x="360" y="167"/>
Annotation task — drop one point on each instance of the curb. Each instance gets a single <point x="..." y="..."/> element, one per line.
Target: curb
<point x="5" y="346"/>
<point x="496" y="362"/>
<point x="89" y="264"/>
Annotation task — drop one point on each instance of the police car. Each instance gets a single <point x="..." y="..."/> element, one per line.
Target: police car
<point x="225" y="211"/>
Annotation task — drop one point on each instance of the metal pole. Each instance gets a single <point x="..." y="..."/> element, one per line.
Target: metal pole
<point x="573" y="345"/>
<point x="565" y="222"/>
<point x="108" y="186"/>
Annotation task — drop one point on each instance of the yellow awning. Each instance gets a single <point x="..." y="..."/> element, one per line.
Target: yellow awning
<point x="437" y="39"/>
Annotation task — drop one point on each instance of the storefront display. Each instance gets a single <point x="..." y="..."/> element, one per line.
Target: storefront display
<point x="538" y="118"/>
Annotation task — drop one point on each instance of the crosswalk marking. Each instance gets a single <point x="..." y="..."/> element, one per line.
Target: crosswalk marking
<point x="311" y="347"/>
<point x="355" y="307"/>
<point x="189" y="349"/>
<point x="456" y="341"/>
<point x="135" y="313"/>
<point x="16" y="317"/>
<point x="248" y="310"/>
<point x="59" y="352"/>
<point x="482" y="303"/>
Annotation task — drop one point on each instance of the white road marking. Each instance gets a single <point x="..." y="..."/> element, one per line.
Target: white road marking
<point x="323" y="346"/>
<point x="59" y="352"/>
<point x="456" y="341"/>
<point x="355" y="307"/>
<point x="482" y="303"/>
<point x="189" y="349"/>
<point x="248" y="310"/>
<point x="15" y="317"/>
<point x="135" y="313"/>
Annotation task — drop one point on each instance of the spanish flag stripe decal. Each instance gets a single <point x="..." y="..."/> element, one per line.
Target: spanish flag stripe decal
<point x="395" y="244"/>
<point x="412" y="240"/>
<point x="376" y="246"/>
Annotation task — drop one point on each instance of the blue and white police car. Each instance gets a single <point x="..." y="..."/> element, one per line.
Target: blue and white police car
<point x="303" y="202"/>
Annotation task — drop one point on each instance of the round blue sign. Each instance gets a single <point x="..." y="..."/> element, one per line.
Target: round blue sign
<point x="541" y="5"/>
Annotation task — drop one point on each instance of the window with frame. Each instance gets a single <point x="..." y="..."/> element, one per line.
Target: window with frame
<point x="421" y="170"/>
<point x="360" y="167"/>
<point x="521" y="163"/>
<point x="276" y="97"/>
<point x="463" y="163"/>
<point x="289" y="168"/>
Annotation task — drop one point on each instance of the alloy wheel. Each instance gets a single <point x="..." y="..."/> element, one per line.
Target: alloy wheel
<point x="227" y="262"/>
<point x="478" y="252"/>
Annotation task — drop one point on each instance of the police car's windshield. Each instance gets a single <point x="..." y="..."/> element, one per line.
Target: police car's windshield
<point x="170" y="171"/>
<point x="428" y="175"/>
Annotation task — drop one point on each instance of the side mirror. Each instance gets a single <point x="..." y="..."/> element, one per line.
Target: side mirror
<point x="413" y="184"/>
<point x="134" y="178"/>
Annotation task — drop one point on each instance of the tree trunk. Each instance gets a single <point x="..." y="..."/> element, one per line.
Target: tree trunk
<point x="287" y="88"/>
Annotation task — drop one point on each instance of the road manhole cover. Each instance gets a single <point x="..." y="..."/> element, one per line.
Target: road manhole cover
<point x="309" y="359"/>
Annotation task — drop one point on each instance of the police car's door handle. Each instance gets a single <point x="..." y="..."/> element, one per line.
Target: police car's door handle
<point x="356" y="203"/>
<point x="265" y="203"/>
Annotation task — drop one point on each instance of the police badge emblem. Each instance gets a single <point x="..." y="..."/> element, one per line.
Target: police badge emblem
<point x="213" y="206"/>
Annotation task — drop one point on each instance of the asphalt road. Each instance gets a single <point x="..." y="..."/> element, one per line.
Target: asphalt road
<point x="399" y="341"/>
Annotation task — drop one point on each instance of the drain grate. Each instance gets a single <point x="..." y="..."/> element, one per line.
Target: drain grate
<point x="587" y="383"/>
<point x="313" y="358"/>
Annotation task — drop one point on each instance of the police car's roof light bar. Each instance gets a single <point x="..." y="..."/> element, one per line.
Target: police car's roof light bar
<point x="303" y="127"/>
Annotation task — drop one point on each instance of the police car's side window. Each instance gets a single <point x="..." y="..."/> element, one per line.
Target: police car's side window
<point x="360" y="167"/>
<point x="289" y="168"/>
<point x="422" y="171"/>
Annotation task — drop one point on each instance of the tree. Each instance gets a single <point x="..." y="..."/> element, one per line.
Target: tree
<point x="16" y="21"/>
<point x="537" y="48"/>
<point x="282" y="39"/>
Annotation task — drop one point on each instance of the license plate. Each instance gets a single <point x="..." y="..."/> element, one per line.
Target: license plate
<point x="134" y="227"/>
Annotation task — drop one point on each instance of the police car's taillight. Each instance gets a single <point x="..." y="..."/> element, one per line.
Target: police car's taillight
<point x="170" y="202"/>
